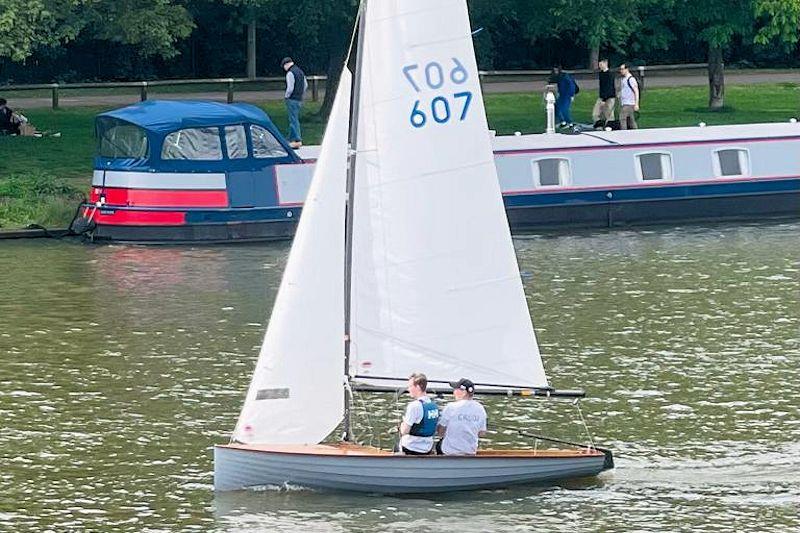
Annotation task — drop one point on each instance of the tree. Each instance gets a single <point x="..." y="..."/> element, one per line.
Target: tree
<point x="778" y="20"/>
<point x="251" y="12"/>
<point x="153" y="26"/>
<point x="26" y="25"/>
<point x="593" y="23"/>
<point x="718" y="22"/>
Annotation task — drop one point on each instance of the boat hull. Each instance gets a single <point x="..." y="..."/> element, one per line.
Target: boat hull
<point x="599" y="208"/>
<point x="212" y="233"/>
<point x="773" y="200"/>
<point x="239" y="467"/>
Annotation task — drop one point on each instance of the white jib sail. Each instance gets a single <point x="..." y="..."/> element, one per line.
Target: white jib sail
<point x="297" y="395"/>
<point x="436" y="286"/>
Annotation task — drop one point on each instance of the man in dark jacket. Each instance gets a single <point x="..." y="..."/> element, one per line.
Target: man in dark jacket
<point x="8" y="124"/>
<point x="296" y="85"/>
<point x="567" y="89"/>
<point x="603" y="111"/>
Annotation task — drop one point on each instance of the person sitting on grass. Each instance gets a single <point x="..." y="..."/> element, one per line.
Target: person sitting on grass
<point x="9" y="125"/>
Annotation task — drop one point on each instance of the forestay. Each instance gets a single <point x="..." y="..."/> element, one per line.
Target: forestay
<point x="436" y="286"/>
<point x="295" y="396"/>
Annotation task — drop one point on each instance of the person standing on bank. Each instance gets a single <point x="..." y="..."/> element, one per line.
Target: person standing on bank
<point x="628" y="99"/>
<point x="296" y="85"/>
<point x="462" y="422"/>
<point x="420" y="419"/>
<point x="603" y="111"/>
<point x="567" y="89"/>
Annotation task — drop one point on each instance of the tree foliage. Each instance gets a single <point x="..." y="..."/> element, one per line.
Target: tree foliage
<point x="593" y="24"/>
<point x="778" y="21"/>
<point x="46" y="40"/>
<point x="153" y="27"/>
<point x="26" y="25"/>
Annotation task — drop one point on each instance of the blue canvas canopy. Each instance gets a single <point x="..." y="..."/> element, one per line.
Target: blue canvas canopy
<point x="188" y="136"/>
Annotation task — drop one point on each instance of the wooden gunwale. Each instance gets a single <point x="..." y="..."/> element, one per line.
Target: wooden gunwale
<point x="355" y="450"/>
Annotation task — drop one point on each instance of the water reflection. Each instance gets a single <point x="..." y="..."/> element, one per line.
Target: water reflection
<point x="121" y="366"/>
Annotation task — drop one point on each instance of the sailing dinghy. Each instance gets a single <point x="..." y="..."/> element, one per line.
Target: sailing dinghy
<point x="402" y="262"/>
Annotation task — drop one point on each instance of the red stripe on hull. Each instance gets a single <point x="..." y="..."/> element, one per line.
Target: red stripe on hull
<point x="141" y="218"/>
<point x="161" y="197"/>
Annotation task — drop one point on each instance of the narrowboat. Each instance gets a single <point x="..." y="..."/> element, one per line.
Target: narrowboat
<point x="185" y="171"/>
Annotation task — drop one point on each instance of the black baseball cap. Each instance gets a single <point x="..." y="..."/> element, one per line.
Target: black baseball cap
<point x="285" y="60"/>
<point x="463" y="384"/>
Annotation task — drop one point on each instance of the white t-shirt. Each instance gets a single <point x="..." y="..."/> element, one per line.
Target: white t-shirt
<point x="413" y="416"/>
<point x="627" y="96"/>
<point x="462" y="420"/>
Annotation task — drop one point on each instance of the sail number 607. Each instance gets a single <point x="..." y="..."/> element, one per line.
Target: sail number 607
<point x="434" y="78"/>
<point x="440" y="109"/>
<point x="434" y="74"/>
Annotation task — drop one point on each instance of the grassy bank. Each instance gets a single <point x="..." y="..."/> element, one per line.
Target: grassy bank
<point x="57" y="167"/>
<point x="36" y="198"/>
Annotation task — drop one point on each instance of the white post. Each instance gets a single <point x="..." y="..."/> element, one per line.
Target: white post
<point x="550" y="106"/>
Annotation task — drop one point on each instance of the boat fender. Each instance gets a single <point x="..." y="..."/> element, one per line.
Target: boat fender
<point x="430" y="419"/>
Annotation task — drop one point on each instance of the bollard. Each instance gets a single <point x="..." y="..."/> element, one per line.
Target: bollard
<point x="550" y="106"/>
<point x="143" y="92"/>
<point x="314" y="89"/>
<point x="230" y="90"/>
<point x="55" y="96"/>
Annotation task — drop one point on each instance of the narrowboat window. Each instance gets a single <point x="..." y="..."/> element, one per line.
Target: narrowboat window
<point x="236" y="142"/>
<point x="120" y="140"/>
<point x="201" y="144"/>
<point x="551" y="172"/>
<point x="265" y="144"/>
<point x="732" y="162"/>
<point x="655" y="166"/>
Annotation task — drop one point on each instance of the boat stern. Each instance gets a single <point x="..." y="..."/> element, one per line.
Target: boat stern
<point x="608" y="464"/>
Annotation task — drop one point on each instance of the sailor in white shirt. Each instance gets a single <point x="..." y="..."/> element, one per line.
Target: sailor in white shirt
<point x="419" y="421"/>
<point x="461" y="422"/>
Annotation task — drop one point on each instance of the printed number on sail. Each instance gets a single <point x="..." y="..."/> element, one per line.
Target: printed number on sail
<point x="440" y="106"/>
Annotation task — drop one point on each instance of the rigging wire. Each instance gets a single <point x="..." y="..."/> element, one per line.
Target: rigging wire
<point x="583" y="421"/>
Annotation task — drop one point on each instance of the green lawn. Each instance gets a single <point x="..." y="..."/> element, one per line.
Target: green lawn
<point x="67" y="160"/>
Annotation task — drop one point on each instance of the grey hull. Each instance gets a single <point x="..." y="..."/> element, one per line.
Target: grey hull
<point x="236" y="469"/>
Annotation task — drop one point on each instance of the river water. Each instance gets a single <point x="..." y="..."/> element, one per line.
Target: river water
<point x="121" y="366"/>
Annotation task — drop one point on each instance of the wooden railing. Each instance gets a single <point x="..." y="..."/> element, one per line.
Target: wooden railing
<point x="314" y="82"/>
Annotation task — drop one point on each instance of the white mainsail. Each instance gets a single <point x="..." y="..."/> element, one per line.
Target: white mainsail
<point x="296" y="395"/>
<point x="436" y="287"/>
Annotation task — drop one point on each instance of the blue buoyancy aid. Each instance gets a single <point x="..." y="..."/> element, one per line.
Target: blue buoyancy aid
<point x="430" y="418"/>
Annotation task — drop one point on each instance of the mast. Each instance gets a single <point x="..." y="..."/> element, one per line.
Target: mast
<point x="348" y="231"/>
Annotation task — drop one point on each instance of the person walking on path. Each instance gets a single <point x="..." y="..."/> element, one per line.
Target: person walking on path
<point x="296" y="85"/>
<point x="628" y="99"/>
<point x="567" y="89"/>
<point x="603" y="111"/>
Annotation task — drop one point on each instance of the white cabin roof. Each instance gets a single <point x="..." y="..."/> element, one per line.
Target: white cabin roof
<point x="542" y="141"/>
<point x="646" y="136"/>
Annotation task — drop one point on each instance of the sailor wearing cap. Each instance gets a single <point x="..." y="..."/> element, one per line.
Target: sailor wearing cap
<point x="461" y="422"/>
